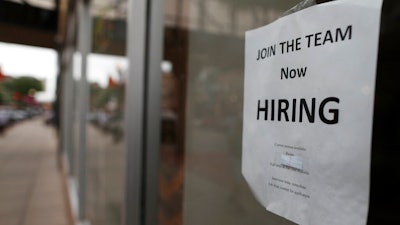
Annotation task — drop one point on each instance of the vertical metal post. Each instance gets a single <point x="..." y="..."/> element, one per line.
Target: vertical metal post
<point x="67" y="93"/>
<point x="143" y="110"/>
<point x="84" y="45"/>
<point x="67" y="109"/>
<point x="153" y="108"/>
<point x="136" y="48"/>
<point x="63" y="112"/>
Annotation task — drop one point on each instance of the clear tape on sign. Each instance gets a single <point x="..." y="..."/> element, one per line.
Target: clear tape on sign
<point x="293" y="161"/>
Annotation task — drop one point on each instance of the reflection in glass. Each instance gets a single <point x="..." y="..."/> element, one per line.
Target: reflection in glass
<point x="106" y="161"/>
<point x="204" y="41"/>
<point x="106" y="72"/>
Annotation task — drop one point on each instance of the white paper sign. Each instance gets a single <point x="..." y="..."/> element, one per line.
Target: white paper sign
<point x="308" y="107"/>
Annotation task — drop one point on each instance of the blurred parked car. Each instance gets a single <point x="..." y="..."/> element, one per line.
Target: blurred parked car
<point x="18" y="114"/>
<point x="5" y="118"/>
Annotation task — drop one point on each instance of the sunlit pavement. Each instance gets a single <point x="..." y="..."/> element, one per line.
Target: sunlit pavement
<point x="31" y="187"/>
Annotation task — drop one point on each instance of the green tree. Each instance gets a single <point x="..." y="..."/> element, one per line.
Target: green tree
<point x="5" y="94"/>
<point x="25" y="84"/>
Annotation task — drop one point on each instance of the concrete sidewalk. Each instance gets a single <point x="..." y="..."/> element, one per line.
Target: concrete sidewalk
<point x="31" y="185"/>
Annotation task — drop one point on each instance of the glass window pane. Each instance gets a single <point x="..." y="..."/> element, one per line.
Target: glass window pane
<point x="106" y="73"/>
<point x="200" y="176"/>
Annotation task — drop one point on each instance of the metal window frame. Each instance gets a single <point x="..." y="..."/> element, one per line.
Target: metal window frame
<point x="67" y="98"/>
<point x="143" y="110"/>
<point x="84" y="47"/>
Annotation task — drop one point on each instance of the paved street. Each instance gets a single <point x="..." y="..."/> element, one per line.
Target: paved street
<point x="31" y="188"/>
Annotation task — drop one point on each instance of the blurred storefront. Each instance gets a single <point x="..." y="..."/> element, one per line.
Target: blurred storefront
<point x="150" y="101"/>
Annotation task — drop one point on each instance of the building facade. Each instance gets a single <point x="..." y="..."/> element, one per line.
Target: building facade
<point x="150" y="98"/>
